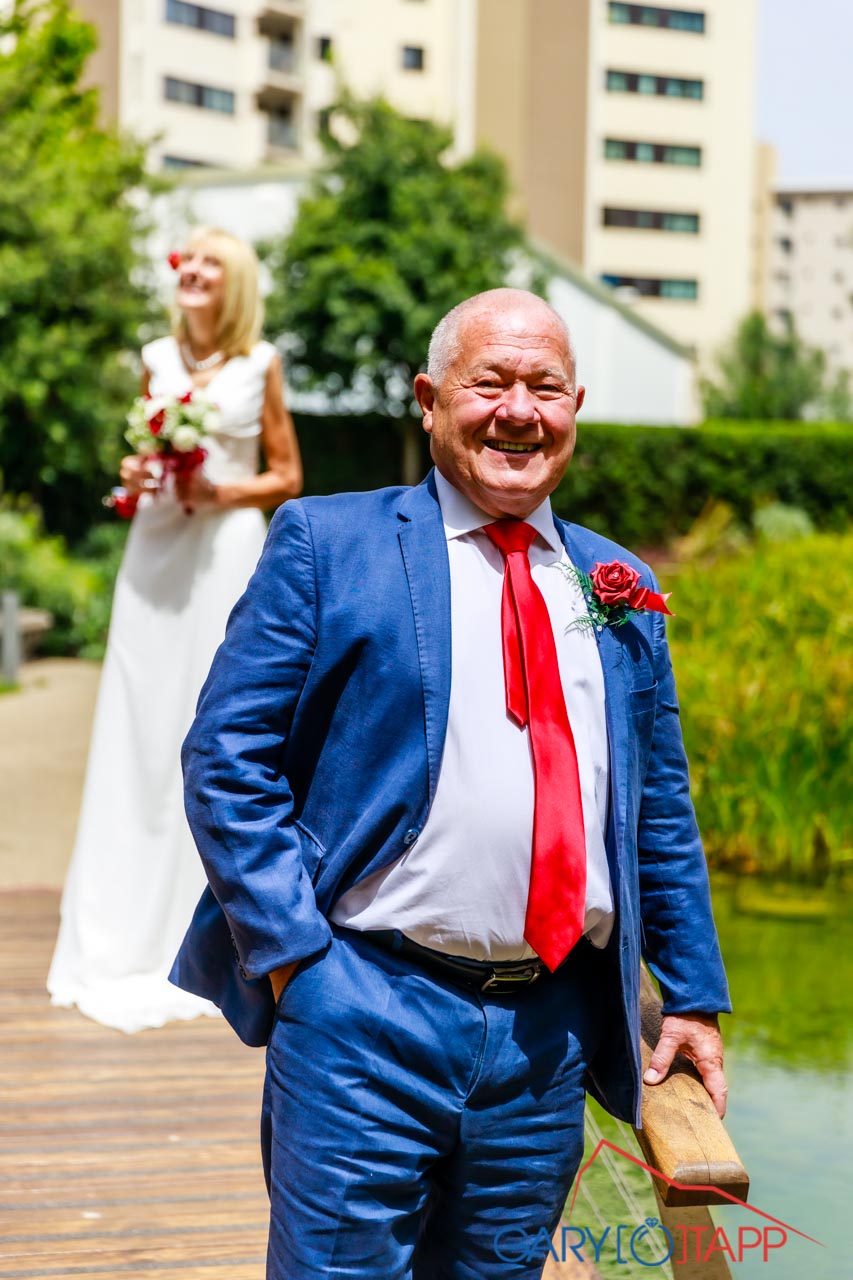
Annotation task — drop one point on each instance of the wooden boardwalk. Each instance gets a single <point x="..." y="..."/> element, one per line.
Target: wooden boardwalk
<point x="120" y="1156"/>
<point x="125" y="1156"/>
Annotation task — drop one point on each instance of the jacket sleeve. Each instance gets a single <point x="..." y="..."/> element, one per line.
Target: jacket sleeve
<point x="680" y="938"/>
<point x="239" y="804"/>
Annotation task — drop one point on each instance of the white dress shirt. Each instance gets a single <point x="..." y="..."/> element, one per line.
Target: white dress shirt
<point x="461" y="888"/>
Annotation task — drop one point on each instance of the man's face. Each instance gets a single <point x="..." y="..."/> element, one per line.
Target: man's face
<point x="503" y="420"/>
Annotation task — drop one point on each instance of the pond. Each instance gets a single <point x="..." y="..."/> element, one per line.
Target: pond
<point x="789" y="1061"/>
<point x="790" y="1067"/>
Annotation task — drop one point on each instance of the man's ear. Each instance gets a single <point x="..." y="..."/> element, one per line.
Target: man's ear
<point x="425" y="396"/>
<point x="580" y="397"/>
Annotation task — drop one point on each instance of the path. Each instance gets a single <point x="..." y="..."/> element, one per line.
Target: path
<point x="44" y="737"/>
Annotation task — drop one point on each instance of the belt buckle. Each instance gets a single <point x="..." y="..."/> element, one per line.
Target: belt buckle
<point x="524" y="977"/>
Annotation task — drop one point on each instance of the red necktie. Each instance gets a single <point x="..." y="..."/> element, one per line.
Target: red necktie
<point x="534" y="697"/>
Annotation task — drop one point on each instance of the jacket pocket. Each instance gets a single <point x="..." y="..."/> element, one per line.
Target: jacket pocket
<point x="643" y="701"/>
<point x="313" y="850"/>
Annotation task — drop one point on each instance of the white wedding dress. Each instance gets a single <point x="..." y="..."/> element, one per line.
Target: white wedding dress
<point x="135" y="876"/>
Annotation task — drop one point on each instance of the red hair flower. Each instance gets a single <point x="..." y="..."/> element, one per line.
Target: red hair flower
<point x="174" y="260"/>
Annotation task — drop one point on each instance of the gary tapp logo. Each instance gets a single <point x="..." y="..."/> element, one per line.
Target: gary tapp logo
<point x="649" y="1243"/>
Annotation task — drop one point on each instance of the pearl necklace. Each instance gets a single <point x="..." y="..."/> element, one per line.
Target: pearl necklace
<point x="199" y="366"/>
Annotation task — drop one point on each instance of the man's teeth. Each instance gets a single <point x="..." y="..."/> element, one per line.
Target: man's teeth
<point x="512" y="446"/>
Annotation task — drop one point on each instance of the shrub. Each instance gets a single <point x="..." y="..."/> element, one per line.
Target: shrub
<point x="761" y="651"/>
<point x="76" y="591"/>
<point x="644" y="486"/>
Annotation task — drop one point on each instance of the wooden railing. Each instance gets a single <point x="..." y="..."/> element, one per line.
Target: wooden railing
<point x="685" y="1141"/>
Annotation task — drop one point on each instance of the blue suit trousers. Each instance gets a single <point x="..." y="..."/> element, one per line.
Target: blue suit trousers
<point x="406" y="1120"/>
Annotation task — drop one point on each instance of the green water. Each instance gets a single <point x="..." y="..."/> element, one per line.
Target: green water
<point x="789" y="1060"/>
<point x="790" y="1068"/>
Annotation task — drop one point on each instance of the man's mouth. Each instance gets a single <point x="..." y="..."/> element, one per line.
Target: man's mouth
<point x="512" y="446"/>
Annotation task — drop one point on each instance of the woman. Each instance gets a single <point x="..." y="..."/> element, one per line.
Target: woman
<point x="135" y="876"/>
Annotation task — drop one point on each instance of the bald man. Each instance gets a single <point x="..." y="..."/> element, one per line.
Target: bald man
<point x="441" y="817"/>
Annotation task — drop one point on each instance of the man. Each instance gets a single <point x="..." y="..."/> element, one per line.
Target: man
<point x="439" y="812"/>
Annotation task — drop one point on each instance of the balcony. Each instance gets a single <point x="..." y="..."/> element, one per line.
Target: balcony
<point x="281" y="18"/>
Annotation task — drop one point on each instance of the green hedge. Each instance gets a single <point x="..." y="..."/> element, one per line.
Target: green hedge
<point x="761" y="650"/>
<point x="644" y="486"/>
<point x="641" y="486"/>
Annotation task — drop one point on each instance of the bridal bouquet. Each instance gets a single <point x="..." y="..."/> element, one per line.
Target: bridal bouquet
<point x="167" y="430"/>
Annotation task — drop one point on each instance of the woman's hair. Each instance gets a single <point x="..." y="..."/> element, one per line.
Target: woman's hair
<point x="242" y="312"/>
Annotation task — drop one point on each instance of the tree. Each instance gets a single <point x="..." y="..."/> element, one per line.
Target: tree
<point x="72" y="286"/>
<point x="765" y="375"/>
<point x="389" y="238"/>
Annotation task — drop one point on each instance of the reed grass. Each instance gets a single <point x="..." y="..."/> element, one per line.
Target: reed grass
<point x="761" y="651"/>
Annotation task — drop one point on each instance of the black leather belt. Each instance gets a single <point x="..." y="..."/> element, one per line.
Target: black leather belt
<point x="499" y="978"/>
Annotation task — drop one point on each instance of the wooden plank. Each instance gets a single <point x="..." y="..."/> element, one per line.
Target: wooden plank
<point x="120" y="1156"/>
<point x="682" y="1136"/>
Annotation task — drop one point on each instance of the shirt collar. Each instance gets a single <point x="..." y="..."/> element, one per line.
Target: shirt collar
<point x="461" y="515"/>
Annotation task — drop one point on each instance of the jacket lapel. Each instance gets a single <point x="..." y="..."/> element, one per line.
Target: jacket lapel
<point x="424" y="548"/>
<point x="616" y="669"/>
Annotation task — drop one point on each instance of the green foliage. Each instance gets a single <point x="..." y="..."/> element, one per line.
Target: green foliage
<point x="77" y="591"/>
<point x="644" y="486"/>
<point x="764" y="375"/>
<point x="72" y="285"/>
<point x="390" y="237"/>
<point x="761" y="649"/>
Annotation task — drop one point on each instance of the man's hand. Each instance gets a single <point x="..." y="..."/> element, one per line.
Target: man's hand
<point x="697" y="1036"/>
<point x="279" y="978"/>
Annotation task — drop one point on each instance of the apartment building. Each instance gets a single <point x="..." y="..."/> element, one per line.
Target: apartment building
<point x="247" y="83"/>
<point x="629" y="132"/>
<point x="810" y="266"/>
<point x="627" y="128"/>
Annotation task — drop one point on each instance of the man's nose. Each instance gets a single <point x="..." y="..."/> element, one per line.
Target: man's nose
<point x="518" y="406"/>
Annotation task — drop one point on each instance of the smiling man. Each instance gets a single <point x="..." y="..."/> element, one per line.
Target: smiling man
<point x="439" y="811"/>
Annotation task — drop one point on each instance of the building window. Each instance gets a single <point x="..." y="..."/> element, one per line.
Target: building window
<point x="651" y="220"/>
<point x="649" y="15"/>
<point x="652" y="152"/>
<point x="181" y="162"/>
<point x="323" y="48"/>
<point x="200" y="95"/>
<point x="649" y="287"/>
<point x="202" y="18"/>
<point x="787" y="207"/>
<point x="281" y="55"/>
<point x="281" y="130"/>
<point x="786" y="244"/>
<point x="413" y="57"/>
<point x="659" y="86"/>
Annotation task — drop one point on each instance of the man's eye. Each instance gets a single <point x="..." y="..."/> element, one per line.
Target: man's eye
<point x="548" y="386"/>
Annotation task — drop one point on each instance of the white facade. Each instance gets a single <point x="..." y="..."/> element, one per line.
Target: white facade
<point x="811" y="266"/>
<point x="241" y="83"/>
<point x="633" y="373"/>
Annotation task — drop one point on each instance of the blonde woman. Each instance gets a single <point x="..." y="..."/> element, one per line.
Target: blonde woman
<point x="135" y="876"/>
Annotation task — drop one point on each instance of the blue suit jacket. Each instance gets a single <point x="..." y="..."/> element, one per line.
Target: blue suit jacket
<point x="315" y="753"/>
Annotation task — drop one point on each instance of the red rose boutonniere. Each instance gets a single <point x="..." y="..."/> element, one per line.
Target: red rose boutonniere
<point x="613" y="595"/>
